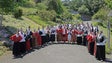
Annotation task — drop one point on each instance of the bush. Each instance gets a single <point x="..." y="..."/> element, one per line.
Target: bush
<point x="18" y="13"/>
<point x="83" y="10"/>
<point x="47" y="15"/>
<point x="66" y="16"/>
<point x="77" y="17"/>
<point x="41" y="6"/>
<point x="29" y="4"/>
<point x="101" y="14"/>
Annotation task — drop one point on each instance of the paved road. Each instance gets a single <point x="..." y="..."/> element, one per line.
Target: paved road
<point x="56" y="53"/>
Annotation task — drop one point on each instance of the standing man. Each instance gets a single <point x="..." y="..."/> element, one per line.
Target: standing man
<point x="100" y="51"/>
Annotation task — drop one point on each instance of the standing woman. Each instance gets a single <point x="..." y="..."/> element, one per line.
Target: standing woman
<point x="22" y="42"/>
<point x="16" y="46"/>
<point x="52" y="34"/>
<point x="100" y="52"/>
<point x="91" y="42"/>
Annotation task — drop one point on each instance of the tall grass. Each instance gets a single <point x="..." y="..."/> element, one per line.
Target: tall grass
<point x="39" y="21"/>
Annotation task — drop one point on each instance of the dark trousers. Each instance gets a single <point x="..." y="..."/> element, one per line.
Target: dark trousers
<point x="31" y="42"/>
<point x="22" y="47"/>
<point x="79" y="40"/>
<point x="100" y="53"/>
<point x="47" y="38"/>
<point x="84" y="41"/>
<point x="52" y="37"/>
<point x="43" y="39"/>
<point x="92" y="48"/>
<point x="16" y="49"/>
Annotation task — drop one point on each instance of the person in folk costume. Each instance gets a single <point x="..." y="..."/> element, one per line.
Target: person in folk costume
<point x="52" y="34"/>
<point x="69" y="35"/>
<point x="100" y="43"/>
<point x="34" y="39"/>
<point x="73" y="35"/>
<point x="16" y="45"/>
<point x="85" y="35"/>
<point x="27" y="42"/>
<point x="96" y="30"/>
<point x="22" y="42"/>
<point x="59" y="33"/>
<point x="88" y="26"/>
<point x="91" y="42"/>
<point x="43" y="36"/>
<point x="64" y="34"/>
<point x="39" y="38"/>
<point x="29" y="35"/>
<point x="47" y="31"/>
<point x="79" y="33"/>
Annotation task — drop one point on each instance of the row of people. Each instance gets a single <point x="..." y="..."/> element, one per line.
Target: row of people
<point x="81" y="34"/>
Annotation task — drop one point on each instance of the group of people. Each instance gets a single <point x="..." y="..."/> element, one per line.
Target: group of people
<point x="81" y="34"/>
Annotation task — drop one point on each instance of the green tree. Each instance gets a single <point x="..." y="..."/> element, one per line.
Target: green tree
<point x="94" y="5"/>
<point x="55" y="5"/>
<point x="83" y="10"/>
<point x="109" y="3"/>
<point x="6" y="6"/>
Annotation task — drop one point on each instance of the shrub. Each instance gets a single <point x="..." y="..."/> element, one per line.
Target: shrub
<point x="29" y="4"/>
<point x="101" y="14"/>
<point x="47" y="15"/>
<point x="41" y="6"/>
<point x="83" y="10"/>
<point x="66" y="16"/>
<point x="18" y="13"/>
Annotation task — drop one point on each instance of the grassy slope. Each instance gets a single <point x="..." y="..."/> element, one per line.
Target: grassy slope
<point x="38" y="20"/>
<point x="19" y="23"/>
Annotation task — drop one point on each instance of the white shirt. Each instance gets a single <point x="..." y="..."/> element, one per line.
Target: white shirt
<point x="99" y="37"/>
<point x="23" y="37"/>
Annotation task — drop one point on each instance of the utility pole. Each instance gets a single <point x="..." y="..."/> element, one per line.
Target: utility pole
<point x="108" y="27"/>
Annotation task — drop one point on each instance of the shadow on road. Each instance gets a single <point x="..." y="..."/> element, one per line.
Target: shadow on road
<point x="108" y="60"/>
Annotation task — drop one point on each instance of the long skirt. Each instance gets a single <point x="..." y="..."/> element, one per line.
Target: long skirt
<point x="16" y="49"/>
<point x="28" y="45"/>
<point x="84" y="40"/>
<point x="59" y="37"/>
<point x="64" y="37"/>
<point x="52" y="37"/>
<point x="47" y="38"/>
<point x="73" y="38"/>
<point x="22" y="47"/>
<point x="79" y="40"/>
<point x="100" y="53"/>
<point x="33" y="42"/>
<point x="91" y="49"/>
<point x="39" y="41"/>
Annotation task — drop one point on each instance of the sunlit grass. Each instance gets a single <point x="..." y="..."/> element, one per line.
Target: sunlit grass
<point x="27" y="11"/>
<point x="19" y="23"/>
<point x="38" y="20"/>
<point x="3" y="49"/>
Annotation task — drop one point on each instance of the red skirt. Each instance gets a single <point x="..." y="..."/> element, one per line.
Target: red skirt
<point x="28" y="44"/>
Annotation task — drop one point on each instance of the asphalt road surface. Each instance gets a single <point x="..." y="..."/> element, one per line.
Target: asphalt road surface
<point x="55" y="53"/>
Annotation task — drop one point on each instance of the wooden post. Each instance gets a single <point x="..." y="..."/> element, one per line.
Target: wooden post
<point x="108" y="24"/>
